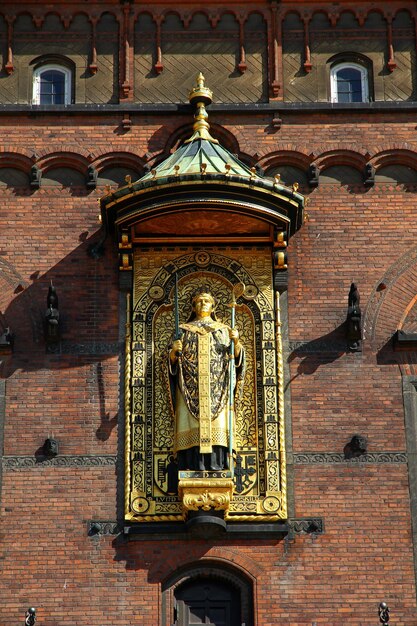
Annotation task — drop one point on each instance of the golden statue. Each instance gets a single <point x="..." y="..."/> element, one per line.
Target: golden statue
<point x="202" y="383"/>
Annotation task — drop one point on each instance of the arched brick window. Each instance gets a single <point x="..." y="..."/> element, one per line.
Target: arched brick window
<point x="349" y="82"/>
<point x="52" y="84"/>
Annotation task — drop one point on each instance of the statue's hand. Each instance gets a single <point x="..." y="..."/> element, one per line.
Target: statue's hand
<point x="234" y="335"/>
<point x="176" y="350"/>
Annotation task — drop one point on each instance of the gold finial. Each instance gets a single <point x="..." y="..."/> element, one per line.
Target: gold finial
<point x="277" y="178"/>
<point x="177" y="170"/>
<point x="128" y="179"/>
<point x="200" y="93"/>
<point x="154" y="173"/>
<point x="203" y="168"/>
<point x="200" y="96"/>
<point x="253" y="174"/>
<point x="227" y="167"/>
<point x="295" y="187"/>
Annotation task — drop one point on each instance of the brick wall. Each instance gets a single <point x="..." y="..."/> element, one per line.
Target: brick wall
<point x="353" y="234"/>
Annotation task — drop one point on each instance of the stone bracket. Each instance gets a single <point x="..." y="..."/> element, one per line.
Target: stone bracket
<point x="205" y="494"/>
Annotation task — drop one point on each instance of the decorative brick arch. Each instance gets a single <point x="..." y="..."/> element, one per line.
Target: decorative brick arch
<point x="342" y="157"/>
<point x="285" y="157"/>
<point x="18" y="161"/>
<point x="163" y="568"/>
<point x="68" y="159"/>
<point x="391" y="301"/>
<point x="395" y="156"/>
<point x="128" y="160"/>
<point x="408" y="322"/>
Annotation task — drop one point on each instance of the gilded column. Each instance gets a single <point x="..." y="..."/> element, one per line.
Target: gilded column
<point x="128" y="368"/>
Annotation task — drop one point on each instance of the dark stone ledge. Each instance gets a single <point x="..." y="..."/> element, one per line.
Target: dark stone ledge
<point x="311" y="458"/>
<point x="87" y="348"/>
<point x="177" y="530"/>
<point x="13" y="463"/>
<point x="176" y="108"/>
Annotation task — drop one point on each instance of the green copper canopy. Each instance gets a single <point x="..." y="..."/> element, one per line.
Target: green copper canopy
<point x="199" y="156"/>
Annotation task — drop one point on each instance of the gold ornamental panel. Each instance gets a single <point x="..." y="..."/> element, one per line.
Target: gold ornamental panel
<point x="164" y="282"/>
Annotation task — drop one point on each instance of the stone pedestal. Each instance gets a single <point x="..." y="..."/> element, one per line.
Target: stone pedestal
<point x="205" y="491"/>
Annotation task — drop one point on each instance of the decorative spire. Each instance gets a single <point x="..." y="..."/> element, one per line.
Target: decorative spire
<point x="200" y="96"/>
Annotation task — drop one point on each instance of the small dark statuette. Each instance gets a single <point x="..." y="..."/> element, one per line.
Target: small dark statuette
<point x="50" y="447"/>
<point x="6" y="341"/>
<point x="313" y="174"/>
<point x="383" y="613"/>
<point x="30" y="617"/>
<point x="353" y="320"/>
<point x="94" y="529"/>
<point x="52" y="330"/>
<point x="357" y="446"/>
<point x="35" y="177"/>
<point x="171" y="471"/>
<point x="92" y="176"/>
<point x="96" y="250"/>
<point x="369" y="180"/>
<point x="259" y="170"/>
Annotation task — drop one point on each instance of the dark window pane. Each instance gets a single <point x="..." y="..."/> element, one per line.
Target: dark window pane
<point x="349" y="85"/>
<point x="52" y="87"/>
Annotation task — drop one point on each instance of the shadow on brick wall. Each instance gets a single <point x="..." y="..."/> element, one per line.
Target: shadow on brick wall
<point x="317" y="352"/>
<point x="88" y="295"/>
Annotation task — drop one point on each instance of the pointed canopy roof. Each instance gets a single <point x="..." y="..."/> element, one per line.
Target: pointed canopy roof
<point x="199" y="155"/>
<point x="203" y="172"/>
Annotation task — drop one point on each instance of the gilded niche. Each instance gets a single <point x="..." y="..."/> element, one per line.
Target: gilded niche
<point x="204" y="408"/>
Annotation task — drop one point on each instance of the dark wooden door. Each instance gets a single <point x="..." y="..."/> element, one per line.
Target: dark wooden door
<point x="209" y="602"/>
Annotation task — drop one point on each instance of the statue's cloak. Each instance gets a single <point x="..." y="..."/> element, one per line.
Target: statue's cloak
<point x="202" y="381"/>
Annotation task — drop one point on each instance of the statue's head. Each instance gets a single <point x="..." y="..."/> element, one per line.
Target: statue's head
<point x="52" y="298"/>
<point x="203" y="304"/>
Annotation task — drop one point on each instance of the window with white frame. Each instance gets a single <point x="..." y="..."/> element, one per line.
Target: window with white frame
<point x="349" y="83"/>
<point x="52" y="85"/>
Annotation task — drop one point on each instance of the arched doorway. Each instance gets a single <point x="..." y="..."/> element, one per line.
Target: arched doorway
<point x="207" y="601"/>
<point x="210" y="593"/>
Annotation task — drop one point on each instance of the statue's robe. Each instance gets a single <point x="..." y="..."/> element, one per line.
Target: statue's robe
<point x="201" y="395"/>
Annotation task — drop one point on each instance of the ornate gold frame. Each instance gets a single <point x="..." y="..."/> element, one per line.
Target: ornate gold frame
<point x="258" y="492"/>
